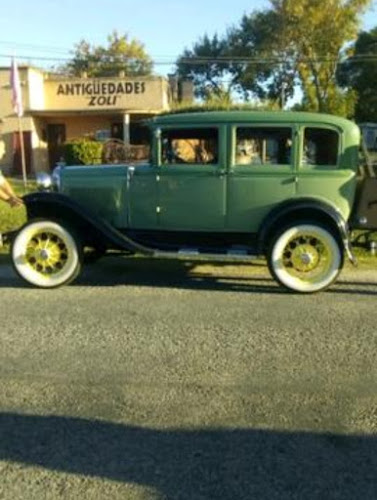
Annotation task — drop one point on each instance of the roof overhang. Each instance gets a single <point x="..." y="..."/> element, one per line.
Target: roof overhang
<point x="91" y="112"/>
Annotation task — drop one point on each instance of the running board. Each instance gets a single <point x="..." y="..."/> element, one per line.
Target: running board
<point x="231" y="255"/>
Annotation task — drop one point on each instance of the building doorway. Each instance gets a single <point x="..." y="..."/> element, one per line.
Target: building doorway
<point x="17" y="156"/>
<point x="117" y="131"/>
<point x="56" y="136"/>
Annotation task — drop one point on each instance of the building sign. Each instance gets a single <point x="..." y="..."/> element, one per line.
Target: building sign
<point x="101" y="93"/>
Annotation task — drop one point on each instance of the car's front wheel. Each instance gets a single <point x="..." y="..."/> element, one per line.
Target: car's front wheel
<point x="305" y="257"/>
<point x="46" y="254"/>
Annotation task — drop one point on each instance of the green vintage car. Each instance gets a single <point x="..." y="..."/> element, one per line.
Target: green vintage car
<point x="219" y="185"/>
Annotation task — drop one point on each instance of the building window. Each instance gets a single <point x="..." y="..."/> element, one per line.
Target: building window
<point x="263" y="146"/>
<point x="192" y="146"/>
<point x="139" y="133"/>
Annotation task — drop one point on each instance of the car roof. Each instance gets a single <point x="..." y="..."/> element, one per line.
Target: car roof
<point x="276" y="117"/>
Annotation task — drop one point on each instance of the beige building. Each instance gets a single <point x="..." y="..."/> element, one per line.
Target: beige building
<point x="57" y="109"/>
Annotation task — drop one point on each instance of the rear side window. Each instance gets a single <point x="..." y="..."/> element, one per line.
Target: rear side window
<point x="190" y="146"/>
<point x="320" y="147"/>
<point x="263" y="146"/>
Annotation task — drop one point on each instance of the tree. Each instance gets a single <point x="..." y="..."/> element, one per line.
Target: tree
<point x="121" y="54"/>
<point x="271" y="52"/>
<point x="261" y="66"/>
<point x="204" y="65"/>
<point x="315" y="37"/>
<point x="359" y="73"/>
<point x="242" y="62"/>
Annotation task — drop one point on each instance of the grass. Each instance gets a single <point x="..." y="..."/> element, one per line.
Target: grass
<point x="12" y="218"/>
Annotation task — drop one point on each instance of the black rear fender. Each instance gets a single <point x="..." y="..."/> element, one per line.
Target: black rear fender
<point x="303" y="210"/>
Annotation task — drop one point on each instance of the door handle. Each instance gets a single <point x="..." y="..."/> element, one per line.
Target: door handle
<point x="220" y="173"/>
<point x="290" y="180"/>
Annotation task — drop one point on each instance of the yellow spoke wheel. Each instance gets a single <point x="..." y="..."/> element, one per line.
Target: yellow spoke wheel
<point x="305" y="258"/>
<point x="46" y="254"/>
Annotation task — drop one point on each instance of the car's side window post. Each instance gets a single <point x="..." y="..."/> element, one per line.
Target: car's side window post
<point x="157" y="147"/>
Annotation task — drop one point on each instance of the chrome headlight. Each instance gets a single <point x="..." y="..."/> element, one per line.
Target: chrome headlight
<point x="56" y="178"/>
<point x="44" y="181"/>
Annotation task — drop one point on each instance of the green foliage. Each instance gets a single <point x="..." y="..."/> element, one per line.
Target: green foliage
<point x="359" y="73"/>
<point x="13" y="218"/>
<point x="220" y="98"/>
<point x="120" y="54"/>
<point x="223" y="106"/>
<point x="202" y="64"/>
<point x="315" y="37"/>
<point x="292" y="43"/>
<point x="83" y="152"/>
<point x="261" y="64"/>
<point x="242" y="62"/>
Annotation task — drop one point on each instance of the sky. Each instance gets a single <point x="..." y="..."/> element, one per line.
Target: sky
<point x="51" y="28"/>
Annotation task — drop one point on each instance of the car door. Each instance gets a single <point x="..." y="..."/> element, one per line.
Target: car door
<point x="191" y="179"/>
<point x="142" y="200"/>
<point x="262" y="173"/>
<point x="322" y="172"/>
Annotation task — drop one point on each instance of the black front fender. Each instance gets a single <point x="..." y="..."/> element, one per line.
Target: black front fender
<point x="93" y="230"/>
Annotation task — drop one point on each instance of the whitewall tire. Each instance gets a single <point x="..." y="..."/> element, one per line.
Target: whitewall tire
<point x="46" y="254"/>
<point x="305" y="258"/>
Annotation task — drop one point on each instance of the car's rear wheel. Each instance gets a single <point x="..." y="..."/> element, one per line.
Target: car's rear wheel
<point x="46" y="254"/>
<point x="305" y="257"/>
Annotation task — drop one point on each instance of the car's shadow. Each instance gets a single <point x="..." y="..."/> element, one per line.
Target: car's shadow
<point x="122" y="271"/>
<point x="114" y="271"/>
<point x="224" y="464"/>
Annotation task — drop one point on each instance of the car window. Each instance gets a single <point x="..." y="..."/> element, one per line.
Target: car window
<point x="320" y="147"/>
<point x="190" y="145"/>
<point x="263" y="146"/>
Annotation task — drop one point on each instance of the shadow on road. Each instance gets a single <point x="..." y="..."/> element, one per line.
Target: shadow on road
<point x="207" y="464"/>
<point x="119" y="271"/>
<point x="176" y="274"/>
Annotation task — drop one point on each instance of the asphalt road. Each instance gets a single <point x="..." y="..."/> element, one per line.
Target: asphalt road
<point x="151" y="380"/>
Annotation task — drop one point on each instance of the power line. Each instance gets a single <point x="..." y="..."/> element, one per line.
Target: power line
<point x="39" y="48"/>
<point x="166" y="60"/>
<point x="60" y="50"/>
<point x="225" y="60"/>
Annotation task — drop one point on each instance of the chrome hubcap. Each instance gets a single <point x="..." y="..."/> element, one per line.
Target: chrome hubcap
<point x="307" y="257"/>
<point x="44" y="254"/>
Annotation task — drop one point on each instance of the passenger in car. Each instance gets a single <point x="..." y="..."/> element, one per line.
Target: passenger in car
<point x="247" y="153"/>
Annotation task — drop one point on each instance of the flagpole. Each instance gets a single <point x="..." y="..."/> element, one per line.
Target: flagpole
<point x="22" y="145"/>
<point x="18" y="109"/>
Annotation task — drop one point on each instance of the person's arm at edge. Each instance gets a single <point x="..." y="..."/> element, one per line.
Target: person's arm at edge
<point x="7" y="194"/>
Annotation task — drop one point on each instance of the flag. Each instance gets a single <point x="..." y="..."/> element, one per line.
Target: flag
<point x="16" y="89"/>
